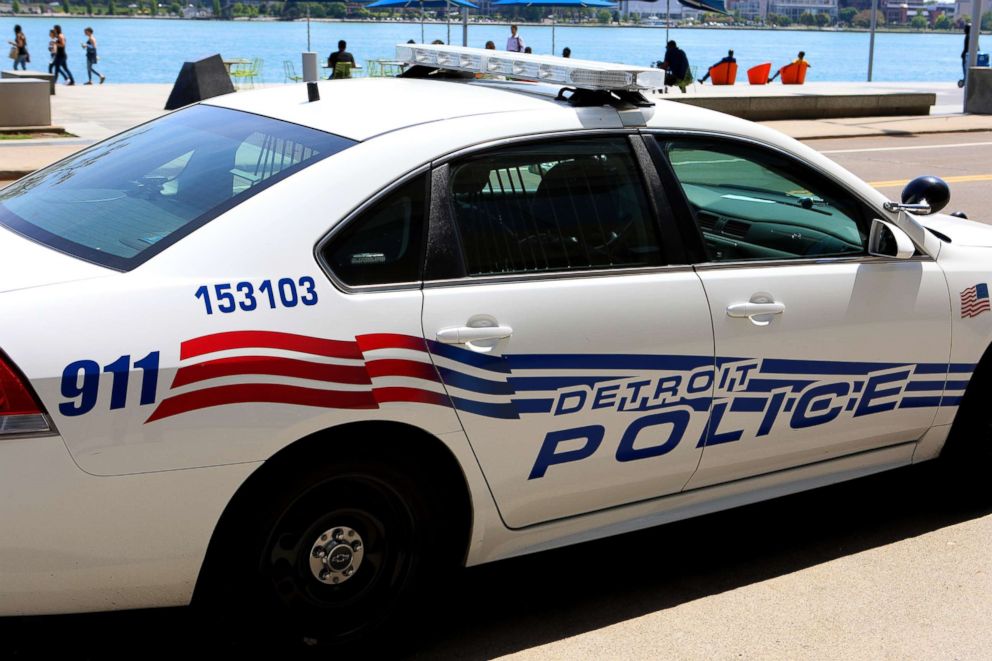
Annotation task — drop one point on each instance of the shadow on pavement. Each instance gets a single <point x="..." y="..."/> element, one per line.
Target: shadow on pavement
<point x="520" y="603"/>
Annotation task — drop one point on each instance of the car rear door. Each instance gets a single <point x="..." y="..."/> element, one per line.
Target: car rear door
<point x="840" y="352"/>
<point x="578" y="357"/>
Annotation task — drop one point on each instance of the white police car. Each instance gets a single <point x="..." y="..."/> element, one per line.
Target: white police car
<point x="295" y="357"/>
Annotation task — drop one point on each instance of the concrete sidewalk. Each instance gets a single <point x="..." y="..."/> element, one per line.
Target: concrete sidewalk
<point x="94" y="113"/>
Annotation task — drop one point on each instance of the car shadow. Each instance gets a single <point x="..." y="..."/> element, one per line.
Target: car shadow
<point x="516" y="604"/>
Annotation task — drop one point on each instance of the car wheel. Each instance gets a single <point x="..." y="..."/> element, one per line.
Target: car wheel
<point x="334" y="557"/>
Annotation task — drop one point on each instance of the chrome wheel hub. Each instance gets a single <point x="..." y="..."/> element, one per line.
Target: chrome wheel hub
<point x="336" y="555"/>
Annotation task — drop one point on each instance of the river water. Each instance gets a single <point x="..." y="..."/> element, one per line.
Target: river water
<point x="152" y="51"/>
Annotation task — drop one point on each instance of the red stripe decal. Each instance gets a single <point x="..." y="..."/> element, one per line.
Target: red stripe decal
<point x="398" y="367"/>
<point x="416" y="395"/>
<point x="239" y="365"/>
<point x="269" y="340"/>
<point x="262" y="393"/>
<point x="374" y="341"/>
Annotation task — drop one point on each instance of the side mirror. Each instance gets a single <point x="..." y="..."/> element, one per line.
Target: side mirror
<point x="923" y="195"/>
<point x="887" y="240"/>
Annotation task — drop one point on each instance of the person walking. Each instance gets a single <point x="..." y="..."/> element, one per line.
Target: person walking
<point x="91" y="57"/>
<point x="730" y="59"/>
<point x="964" y="55"/>
<point x="515" y="44"/>
<point x="61" y="57"/>
<point x="800" y="58"/>
<point x="19" y="49"/>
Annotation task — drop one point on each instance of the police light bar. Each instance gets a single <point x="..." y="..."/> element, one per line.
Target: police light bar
<point x="581" y="74"/>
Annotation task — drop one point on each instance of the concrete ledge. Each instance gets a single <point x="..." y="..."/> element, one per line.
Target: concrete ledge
<point x="24" y="102"/>
<point x="978" y="97"/>
<point x="37" y="75"/>
<point x="814" y="106"/>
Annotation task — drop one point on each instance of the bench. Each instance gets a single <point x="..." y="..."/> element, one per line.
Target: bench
<point x="24" y="102"/>
<point x="28" y="75"/>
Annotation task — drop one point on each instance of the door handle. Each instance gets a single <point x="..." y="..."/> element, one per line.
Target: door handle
<point x="466" y="334"/>
<point x="753" y="309"/>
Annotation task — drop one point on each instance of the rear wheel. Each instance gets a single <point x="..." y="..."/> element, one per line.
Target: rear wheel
<point x="332" y="557"/>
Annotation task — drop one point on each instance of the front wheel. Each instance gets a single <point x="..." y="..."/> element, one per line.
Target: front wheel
<point x="333" y="557"/>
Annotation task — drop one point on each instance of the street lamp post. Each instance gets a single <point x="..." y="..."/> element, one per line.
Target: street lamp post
<point x="871" y="40"/>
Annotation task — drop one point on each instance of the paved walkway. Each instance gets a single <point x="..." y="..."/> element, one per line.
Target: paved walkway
<point x="97" y="112"/>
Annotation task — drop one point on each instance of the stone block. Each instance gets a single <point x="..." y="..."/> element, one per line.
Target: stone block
<point x="39" y="75"/>
<point x="24" y="102"/>
<point x="978" y="94"/>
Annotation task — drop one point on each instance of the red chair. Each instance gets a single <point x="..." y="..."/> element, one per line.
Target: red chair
<point x="795" y="73"/>
<point x="724" y="73"/>
<point x="759" y="75"/>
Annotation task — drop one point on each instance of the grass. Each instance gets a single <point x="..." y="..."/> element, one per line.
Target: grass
<point x="30" y="136"/>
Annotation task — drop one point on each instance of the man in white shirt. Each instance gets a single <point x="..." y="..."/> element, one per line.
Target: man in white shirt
<point x="514" y="44"/>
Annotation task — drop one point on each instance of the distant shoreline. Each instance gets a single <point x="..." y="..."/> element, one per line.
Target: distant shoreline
<point x="267" y="19"/>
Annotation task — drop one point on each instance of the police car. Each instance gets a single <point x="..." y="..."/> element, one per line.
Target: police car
<point x="294" y="355"/>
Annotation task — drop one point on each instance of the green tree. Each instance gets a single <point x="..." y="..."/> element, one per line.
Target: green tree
<point x="987" y="20"/>
<point x="847" y="14"/>
<point x="175" y="9"/>
<point x="603" y="16"/>
<point x="153" y="7"/>
<point x="943" y="22"/>
<point x="15" y="7"/>
<point x="807" y="18"/>
<point x="111" y="8"/>
<point x="238" y="9"/>
<point x="863" y="19"/>
<point x="65" y="6"/>
<point x="89" y="7"/>
<point x="919" y="22"/>
<point x="218" y="13"/>
<point x="823" y="19"/>
<point x="336" y="10"/>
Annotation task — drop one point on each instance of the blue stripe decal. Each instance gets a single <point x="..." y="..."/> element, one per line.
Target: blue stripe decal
<point x="951" y="401"/>
<point x="957" y="385"/>
<point x="468" y="357"/>
<point x="455" y="379"/>
<point x="749" y="404"/>
<point x="533" y="405"/>
<point x="506" y="411"/>
<point x="924" y="385"/>
<point x="918" y="402"/>
<point x="768" y="385"/>
<point x="525" y="383"/>
<point x="788" y="366"/>
<point x="577" y="361"/>
<point x="962" y="367"/>
<point x="931" y="368"/>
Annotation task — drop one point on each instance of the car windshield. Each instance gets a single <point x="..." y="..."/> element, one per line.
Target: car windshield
<point x="126" y="199"/>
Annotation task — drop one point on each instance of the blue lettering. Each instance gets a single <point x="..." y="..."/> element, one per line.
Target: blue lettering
<point x="710" y="434"/>
<point x="679" y="420"/>
<point x="873" y="393"/>
<point x="606" y="396"/>
<point x="817" y="399"/>
<point x="563" y="407"/>
<point x="548" y="456"/>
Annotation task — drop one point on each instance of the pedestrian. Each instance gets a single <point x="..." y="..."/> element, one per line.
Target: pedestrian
<point x="566" y="52"/>
<point x="437" y="42"/>
<point x="964" y="53"/>
<point x="340" y="56"/>
<point x="800" y="58"/>
<point x="730" y="59"/>
<point x="61" y="57"/>
<point x="53" y="46"/>
<point x="514" y="44"/>
<point x="91" y="57"/>
<point x="490" y="45"/>
<point x="528" y="50"/>
<point x="19" y="49"/>
<point x="676" y="66"/>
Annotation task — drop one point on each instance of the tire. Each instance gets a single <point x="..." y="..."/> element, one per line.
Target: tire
<point x="272" y="584"/>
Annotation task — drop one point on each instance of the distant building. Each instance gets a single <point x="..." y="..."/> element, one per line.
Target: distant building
<point x="643" y="9"/>
<point x="793" y="9"/>
<point x="903" y="11"/>
<point x="749" y="10"/>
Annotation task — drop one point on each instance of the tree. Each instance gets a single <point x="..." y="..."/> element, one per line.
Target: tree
<point x="847" y="14"/>
<point x="603" y="16"/>
<point x="336" y="10"/>
<point x="217" y="10"/>
<point x="987" y="20"/>
<point x="807" y="18"/>
<point x="111" y="8"/>
<point x="153" y="7"/>
<point x="823" y="19"/>
<point x="15" y="7"/>
<point x="175" y="9"/>
<point x="65" y="6"/>
<point x="863" y="19"/>
<point x="919" y="22"/>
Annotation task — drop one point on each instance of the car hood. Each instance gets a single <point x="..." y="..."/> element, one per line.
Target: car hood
<point x="25" y="264"/>
<point x="960" y="231"/>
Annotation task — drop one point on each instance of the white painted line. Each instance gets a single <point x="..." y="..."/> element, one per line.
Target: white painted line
<point x="951" y="146"/>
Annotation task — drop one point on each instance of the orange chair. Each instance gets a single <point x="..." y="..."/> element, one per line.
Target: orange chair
<point x="724" y="73"/>
<point x="795" y="73"/>
<point x="759" y="75"/>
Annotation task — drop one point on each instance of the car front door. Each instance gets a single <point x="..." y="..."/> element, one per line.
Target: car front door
<point x="579" y="360"/>
<point x="834" y="352"/>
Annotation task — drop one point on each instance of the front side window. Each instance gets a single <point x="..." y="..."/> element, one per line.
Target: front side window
<point x="124" y="200"/>
<point x="566" y="206"/>
<point x="756" y="205"/>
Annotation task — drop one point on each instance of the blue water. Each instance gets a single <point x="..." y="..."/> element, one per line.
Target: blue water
<point x="152" y="51"/>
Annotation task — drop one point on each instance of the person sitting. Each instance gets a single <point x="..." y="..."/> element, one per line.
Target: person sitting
<point x="340" y="56"/>
<point x="676" y="66"/>
<point x="566" y="52"/>
<point x="490" y="45"/>
<point x="528" y="50"/>
<point x="801" y="58"/>
<point x="730" y="59"/>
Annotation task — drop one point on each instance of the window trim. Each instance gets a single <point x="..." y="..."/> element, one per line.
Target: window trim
<point x="443" y="224"/>
<point x="355" y="215"/>
<point x="687" y="221"/>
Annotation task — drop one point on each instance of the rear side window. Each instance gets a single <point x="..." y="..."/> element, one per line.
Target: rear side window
<point x="383" y="244"/>
<point x="124" y="200"/>
<point x="565" y="206"/>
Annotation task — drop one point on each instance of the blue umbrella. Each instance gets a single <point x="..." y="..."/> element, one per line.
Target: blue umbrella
<point x="554" y="3"/>
<point x="424" y="4"/>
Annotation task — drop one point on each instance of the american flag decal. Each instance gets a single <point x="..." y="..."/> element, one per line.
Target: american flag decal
<point x="975" y="300"/>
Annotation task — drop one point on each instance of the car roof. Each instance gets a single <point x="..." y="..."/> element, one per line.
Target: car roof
<point x="361" y="108"/>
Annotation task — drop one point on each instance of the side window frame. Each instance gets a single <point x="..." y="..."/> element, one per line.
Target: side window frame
<point x="357" y="214"/>
<point x="686" y="217"/>
<point x="445" y="265"/>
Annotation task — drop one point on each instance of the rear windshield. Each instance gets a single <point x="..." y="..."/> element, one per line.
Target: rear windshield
<point x="124" y="200"/>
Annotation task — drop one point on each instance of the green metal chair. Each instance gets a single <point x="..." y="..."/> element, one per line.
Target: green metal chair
<point x="342" y="70"/>
<point x="247" y="74"/>
<point x="290" y="71"/>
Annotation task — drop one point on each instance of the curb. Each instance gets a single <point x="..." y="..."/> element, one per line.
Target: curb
<point x="883" y="134"/>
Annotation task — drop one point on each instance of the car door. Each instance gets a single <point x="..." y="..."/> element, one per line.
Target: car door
<point x="578" y="357"/>
<point x="840" y="352"/>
